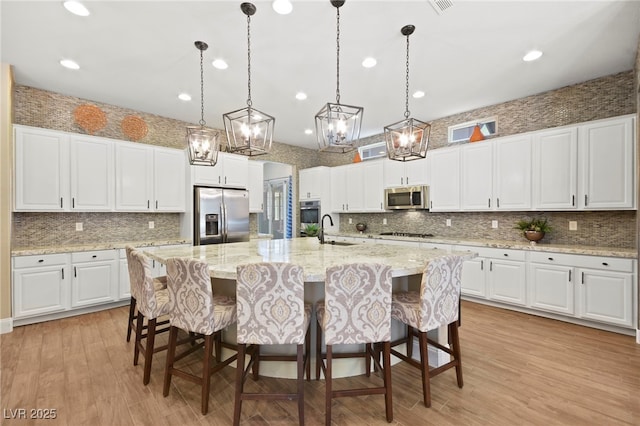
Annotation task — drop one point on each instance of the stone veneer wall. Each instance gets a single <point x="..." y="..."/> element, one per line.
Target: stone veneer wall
<point x="45" y="109"/>
<point x="606" y="228"/>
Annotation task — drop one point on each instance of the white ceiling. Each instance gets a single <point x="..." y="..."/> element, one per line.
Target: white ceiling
<point x="140" y="55"/>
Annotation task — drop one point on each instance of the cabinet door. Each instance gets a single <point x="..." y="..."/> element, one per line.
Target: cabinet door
<point x="256" y="186"/>
<point x="477" y="176"/>
<point x="445" y="179"/>
<point x="512" y="173"/>
<point x="551" y="288"/>
<point x="417" y="172"/>
<point x="555" y="169"/>
<point x="394" y="173"/>
<point x="306" y="184"/>
<point x="92" y="174"/>
<point x="124" y="285"/>
<point x="134" y="177"/>
<point x="338" y="189"/>
<point x="209" y="175"/>
<point x="236" y="169"/>
<point x="93" y="283"/>
<point x="606" y="296"/>
<point x="473" y="277"/>
<point x="607" y="161"/>
<point x="41" y="170"/>
<point x="355" y="185"/>
<point x="169" y="179"/>
<point x="40" y="290"/>
<point x="372" y="181"/>
<point x="507" y="280"/>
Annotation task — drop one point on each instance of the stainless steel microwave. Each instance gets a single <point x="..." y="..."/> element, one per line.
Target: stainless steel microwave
<point x="406" y="197"/>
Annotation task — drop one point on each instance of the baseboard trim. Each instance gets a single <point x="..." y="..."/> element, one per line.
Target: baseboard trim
<point x="6" y="325"/>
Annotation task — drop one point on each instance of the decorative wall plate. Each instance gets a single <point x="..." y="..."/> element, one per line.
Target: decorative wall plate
<point x="134" y="127"/>
<point x="90" y="118"/>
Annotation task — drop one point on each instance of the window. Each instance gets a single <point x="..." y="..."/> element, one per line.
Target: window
<point x="374" y="150"/>
<point x="462" y="132"/>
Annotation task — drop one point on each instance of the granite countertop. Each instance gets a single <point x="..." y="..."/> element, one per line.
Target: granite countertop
<point x="306" y="252"/>
<point x="629" y="253"/>
<point x="26" y="251"/>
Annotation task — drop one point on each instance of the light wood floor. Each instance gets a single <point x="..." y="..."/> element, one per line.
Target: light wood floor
<point x="518" y="370"/>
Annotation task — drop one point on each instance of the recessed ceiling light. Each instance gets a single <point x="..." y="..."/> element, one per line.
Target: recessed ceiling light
<point x="418" y="94"/>
<point x="283" y="7"/>
<point x="220" y="64"/>
<point x="532" y="56"/>
<point x="76" y="8"/>
<point x="68" y="63"/>
<point x="369" y="62"/>
<point x="184" y="97"/>
<point x="308" y="132"/>
<point x="301" y="96"/>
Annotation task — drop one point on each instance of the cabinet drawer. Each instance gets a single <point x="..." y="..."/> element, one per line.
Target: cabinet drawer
<point x="493" y="252"/>
<point x="39" y="260"/>
<point x="554" y="258"/>
<point x="89" y="256"/>
<point x="584" y="261"/>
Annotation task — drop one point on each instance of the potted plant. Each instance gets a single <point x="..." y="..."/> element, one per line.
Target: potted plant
<point x="533" y="229"/>
<point x="311" y="230"/>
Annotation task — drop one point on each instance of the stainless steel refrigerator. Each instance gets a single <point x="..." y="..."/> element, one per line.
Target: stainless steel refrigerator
<point x="221" y="215"/>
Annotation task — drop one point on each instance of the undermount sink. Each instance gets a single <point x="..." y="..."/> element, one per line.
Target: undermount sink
<point x="339" y="243"/>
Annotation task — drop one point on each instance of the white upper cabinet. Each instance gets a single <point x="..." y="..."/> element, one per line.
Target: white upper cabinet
<point x="41" y="170"/>
<point x="256" y="186"/>
<point x="355" y="187"/>
<point x="231" y="170"/>
<point x="555" y="169"/>
<point x="477" y="176"/>
<point x="134" y="177"/>
<point x="405" y="173"/>
<point x="312" y="182"/>
<point x="169" y="179"/>
<point x="92" y="173"/>
<point x="372" y="191"/>
<point x="339" y="196"/>
<point x="606" y="159"/>
<point x="445" y="179"/>
<point x="512" y="172"/>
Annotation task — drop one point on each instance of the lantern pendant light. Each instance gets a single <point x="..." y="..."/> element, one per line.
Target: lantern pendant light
<point x="407" y="139"/>
<point x="203" y="142"/>
<point x="249" y="131"/>
<point x="337" y="125"/>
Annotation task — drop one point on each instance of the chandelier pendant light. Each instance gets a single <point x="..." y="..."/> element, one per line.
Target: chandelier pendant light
<point x="203" y="142"/>
<point x="249" y="131"/>
<point x="407" y="139"/>
<point x="337" y="125"/>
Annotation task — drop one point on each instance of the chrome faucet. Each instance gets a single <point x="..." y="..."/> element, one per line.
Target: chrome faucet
<point x="321" y="233"/>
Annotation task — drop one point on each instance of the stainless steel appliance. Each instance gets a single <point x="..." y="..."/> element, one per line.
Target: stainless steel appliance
<point x="309" y="213"/>
<point x="221" y="215"/>
<point x="406" y="197"/>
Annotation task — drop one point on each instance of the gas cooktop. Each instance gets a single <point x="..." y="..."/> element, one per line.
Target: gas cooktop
<point x="407" y="234"/>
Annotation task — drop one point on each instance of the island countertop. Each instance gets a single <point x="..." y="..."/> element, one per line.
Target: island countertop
<point x="306" y="252"/>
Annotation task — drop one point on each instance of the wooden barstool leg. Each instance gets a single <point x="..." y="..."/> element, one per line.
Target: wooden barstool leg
<point x="368" y="352"/>
<point x="301" y="369"/>
<point x="218" y="342"/>
<point x="138" y="339"/>
<point x="386" y="353"/>
<point x="409" y="341"/>
<point x="239" y="384"/>
<point x="171" y="353"/>
<point x="318" y="349"/>
<point x="328" y="393"/>
<point x="206" y="372"/>
<point x="424" y="359"/>
<point x="307" y="358"/>
<point x="148" y="352"/>
<point x="132" y="316"/>
<point x="455" y="343"/>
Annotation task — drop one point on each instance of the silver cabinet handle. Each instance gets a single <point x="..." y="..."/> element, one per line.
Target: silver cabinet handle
<point x="583" y="278"/>
<point x="73" y="203"/>
<point x="573" y="200"/>
<point x="401" y="181"/>
<point x="569" y="275"/>
<point x="489" y="202"/>
<point x="551" y="259"/>
<point x="482" y="265"/>
<point x="62" y="270"/>
<point x="60" y="202"/>
<point x="586" y="200"/>
<point x="490" y="266"/>
<point x="498" y="202"/>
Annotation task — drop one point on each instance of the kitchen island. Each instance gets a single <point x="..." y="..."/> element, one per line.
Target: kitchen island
<point x="406" y="266"/>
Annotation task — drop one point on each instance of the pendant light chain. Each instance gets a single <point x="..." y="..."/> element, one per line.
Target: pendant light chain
<point x="249" y="62"/>
<point x="406" y="103"/>
<point x="202" y="122"/>
<point x="337" y="55"/>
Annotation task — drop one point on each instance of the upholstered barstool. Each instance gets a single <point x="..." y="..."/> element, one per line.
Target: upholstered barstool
<point x="271" y="311"/>
<point x="195" y="309"/>
<point x="435" y="305"/>
<point x="158" y="283"/>
<point x="356" y="310"/>
<point x="152" y="303"/>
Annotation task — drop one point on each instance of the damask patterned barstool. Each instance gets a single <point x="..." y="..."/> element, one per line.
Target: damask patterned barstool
<point x="271" y="311"/>
<point x="195" y="309"/>
<point x="356" y="310"/>
<point x="437" y="304"/>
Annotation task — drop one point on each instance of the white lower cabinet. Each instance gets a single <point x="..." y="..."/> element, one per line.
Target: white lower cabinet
<point x="124" y="284"/>
<point x="551" y="288"/>
<point x="606" y="296"/>
<point x="40" y="285"/>
<point x="95" y="277"/>
<point x="473" y="278"/>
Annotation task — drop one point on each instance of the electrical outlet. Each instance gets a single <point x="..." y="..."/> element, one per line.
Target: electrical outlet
<point x="384" y="221"/>
<point x="152" y="224"/>
<point x="494" y="224"/>
<point x="448" y="222"/>
<point x="350" y="221"/>
<point x="573" y="225"/>
<point x="78" y="226"/>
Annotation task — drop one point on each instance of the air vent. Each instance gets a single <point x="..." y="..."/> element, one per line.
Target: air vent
<point x="441" y="6"/>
